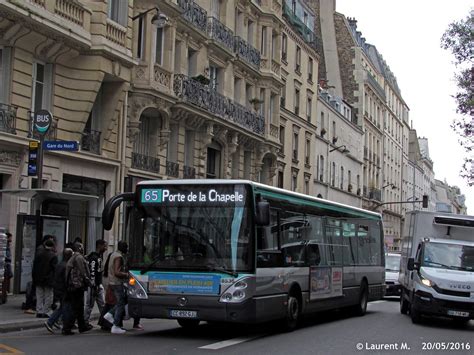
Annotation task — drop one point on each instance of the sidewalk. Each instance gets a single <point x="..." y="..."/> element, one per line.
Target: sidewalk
<point x="13" y="318"/>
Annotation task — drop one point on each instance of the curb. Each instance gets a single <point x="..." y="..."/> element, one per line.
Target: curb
<point x="31" y="324"/>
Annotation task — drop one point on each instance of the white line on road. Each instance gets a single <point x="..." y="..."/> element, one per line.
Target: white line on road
<point x="379" y="301"/>
<point x="230" y="342"/>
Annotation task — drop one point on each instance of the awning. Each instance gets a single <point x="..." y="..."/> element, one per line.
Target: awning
<point x="45" y="193"/>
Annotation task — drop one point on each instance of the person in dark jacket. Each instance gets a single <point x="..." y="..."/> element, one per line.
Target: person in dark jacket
<point x="59" y="289"/>
<point x="95" y="293"/>
<point x="44" y="265"/>
<point x="77" y="280"/>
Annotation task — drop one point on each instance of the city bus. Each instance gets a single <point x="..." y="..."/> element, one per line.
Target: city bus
<point x="243" y="252"/>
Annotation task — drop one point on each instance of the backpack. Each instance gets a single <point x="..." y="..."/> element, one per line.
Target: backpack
<point x="75" y="281"/>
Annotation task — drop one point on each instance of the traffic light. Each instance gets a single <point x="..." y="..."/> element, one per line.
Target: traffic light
<point x="425" y="201"/>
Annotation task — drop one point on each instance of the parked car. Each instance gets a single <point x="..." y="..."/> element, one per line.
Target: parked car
<point x="392" y="268"/>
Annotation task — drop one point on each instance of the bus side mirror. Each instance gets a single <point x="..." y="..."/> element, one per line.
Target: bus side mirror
<point x="262" y="217"/>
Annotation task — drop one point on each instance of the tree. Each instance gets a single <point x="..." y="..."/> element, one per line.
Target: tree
<point x="459" y="39"/>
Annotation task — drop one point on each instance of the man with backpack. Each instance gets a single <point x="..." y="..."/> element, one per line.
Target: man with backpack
<point x="77" y="280"/>
<point x="95" y="292"/>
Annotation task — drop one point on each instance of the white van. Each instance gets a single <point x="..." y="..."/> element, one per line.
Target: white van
<point x="437" y="266"/>
<point x="392" y="270"/>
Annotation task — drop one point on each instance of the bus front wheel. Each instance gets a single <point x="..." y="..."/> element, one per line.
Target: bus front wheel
<point x="188" y="323"/>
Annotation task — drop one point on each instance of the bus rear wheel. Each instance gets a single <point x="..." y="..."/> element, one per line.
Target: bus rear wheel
<point x="292" y="313"/>
<point x="361" y="308"/>
<point x="188" y="323"/>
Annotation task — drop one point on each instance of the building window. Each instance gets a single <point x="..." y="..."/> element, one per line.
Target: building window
<point x="321" y="168"/>
<point x="309" y="103"/>
<point x="214" y="77"/>
<point x="295" y="146"/>
<point x="189" y="148"/>
<point x="294" y="181"/>
<point x="284" y="47"/>
<point x="262" y="99"/>
<point x="118" y="11"/>
<point x="271" y="107"/>
<point x="349" y="183"/>
<point x="342" y="178"/>
<point x="280" y="179"/>
<point x="250" y="28"/>
<point x="305" y="19"/>
<point x="306" y="186"/>
<point x="274" y="45"/>
<point x="42" y="86"/>
<point x="213" y="162"/>
<point x="297" y="102"/>
<point x="263" y="42"/>
<point x="293" y="6"/>
<point x="298" y="60"/>
<point x="307" y="152"/>
<point x="310" y="69"/>
<point x="192" y="62"/>
<point x="283" y="96"/>
<point x="160" y="39"/>
<point x="4" y="75"/>
<point x="172" y="153"/>
<point x="282" y="139"/>
<point x="143" y="144"/>
<point x="333" y="174"/>
<point x="141" y="37"/>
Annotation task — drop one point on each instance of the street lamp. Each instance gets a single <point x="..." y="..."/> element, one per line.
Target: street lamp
<point x="344" y="150"/>
<point x="159" y="19"/>
<point x="390" y="184"/>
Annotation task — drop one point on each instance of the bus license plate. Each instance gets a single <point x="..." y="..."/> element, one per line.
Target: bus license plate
<point x="458" y="313"/>
<point x="183" y="314"/>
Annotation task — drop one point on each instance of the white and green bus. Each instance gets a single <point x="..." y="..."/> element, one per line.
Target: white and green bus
<point x="244" y="252"/>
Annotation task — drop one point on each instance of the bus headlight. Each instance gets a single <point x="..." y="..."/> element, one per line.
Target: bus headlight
<point x="236" y="293"/>
<point x="135" y="289"/>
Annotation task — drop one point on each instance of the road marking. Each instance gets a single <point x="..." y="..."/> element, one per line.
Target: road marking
<point x="9" y="350"/>
<point x="379" y="301"/>
<point x="230" y="342"/>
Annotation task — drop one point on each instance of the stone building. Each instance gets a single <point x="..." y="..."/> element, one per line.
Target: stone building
<point x="74" y="59"/>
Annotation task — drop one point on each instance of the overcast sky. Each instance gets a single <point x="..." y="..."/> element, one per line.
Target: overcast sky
<point x="407" y="33"/>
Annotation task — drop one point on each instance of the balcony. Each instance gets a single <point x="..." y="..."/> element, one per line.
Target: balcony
<point x="194" y="14"/>
<point x="8" y="118"/>
<point x="200" y="95"/>
<point x="90" y="141"/>
<point x="305" y="32"/>
<point x="189" y="172"/>
<point x="152" y="76"/>
<point x="220" y="33"/>
<point x="172" y="169"/>
<point x="145" y="163"/>
<point x="247" y="52"/>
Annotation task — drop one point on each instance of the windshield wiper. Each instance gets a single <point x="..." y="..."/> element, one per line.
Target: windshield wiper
<point x="221" y="269"/>
<point x="439" y="264"/>
<point x="149" y="266"/>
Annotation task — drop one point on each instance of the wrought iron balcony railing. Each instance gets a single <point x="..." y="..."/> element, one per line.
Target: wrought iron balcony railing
<point x="189" y="172"/>
<point x="375" y="194"/>
<point x="305" y="32"/>
<point x="172" y="169"/>
<point x="194" y="14"/>
<point x="221" y="33"/>
<point x="145" y="163"/>
<point x="194" y="92"/>
<point x="247" y="52"/>
<point x="8" y="118"/>
<point x="91" y="141"/>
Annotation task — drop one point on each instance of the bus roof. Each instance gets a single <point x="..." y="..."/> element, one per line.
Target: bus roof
<point x="270" y="189"/>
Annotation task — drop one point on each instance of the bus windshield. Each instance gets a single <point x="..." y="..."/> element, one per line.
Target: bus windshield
<point x="184" y="234"/>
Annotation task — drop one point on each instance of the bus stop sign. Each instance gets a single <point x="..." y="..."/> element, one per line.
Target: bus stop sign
<point x="42" y="121"/>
